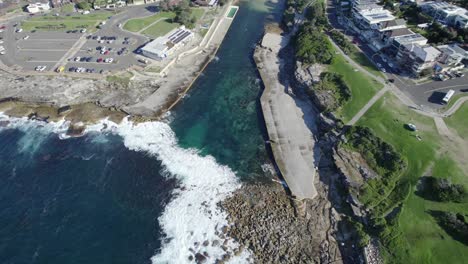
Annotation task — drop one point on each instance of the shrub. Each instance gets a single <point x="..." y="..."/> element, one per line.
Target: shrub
<point x="312" y="46"/>
<point x="83" y="5"/>
<point x="442" y="190"/>
<point x="333" y="85"/>
<point x="455" y="224"/>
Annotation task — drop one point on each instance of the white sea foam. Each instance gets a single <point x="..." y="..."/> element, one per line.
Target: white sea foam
<point x="35" y="132"/>
<point x="192" y="221"/>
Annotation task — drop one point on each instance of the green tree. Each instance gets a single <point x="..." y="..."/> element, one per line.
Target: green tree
<point x="83" y="5"/>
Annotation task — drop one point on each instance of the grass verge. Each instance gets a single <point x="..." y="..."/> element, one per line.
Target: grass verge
<point x="160" y="29"/>
<point x="137" y="24"/>
<point x="414" y="236"/>
<point x="459" y="122"/>
<point x="362" y="87"/>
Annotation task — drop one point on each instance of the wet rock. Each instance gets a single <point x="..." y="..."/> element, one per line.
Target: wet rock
<point x="199" y="258"/>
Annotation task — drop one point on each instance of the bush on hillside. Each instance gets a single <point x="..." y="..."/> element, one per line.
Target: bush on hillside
<point x="455" y="224"/>
<point x="312" y="46"/>
<point x="83" y="5"/>
<point x="342" y="42"/>
<point x="330" y="85"/>
<point x="442" y="190"/>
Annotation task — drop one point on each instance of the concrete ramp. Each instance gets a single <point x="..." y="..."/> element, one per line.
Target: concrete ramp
<point x="291" y="140"/>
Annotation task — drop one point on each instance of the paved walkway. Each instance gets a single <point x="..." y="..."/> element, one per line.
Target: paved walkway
<point x="368" y="105"/>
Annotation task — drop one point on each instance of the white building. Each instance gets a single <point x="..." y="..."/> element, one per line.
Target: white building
<point x="417" y="58"/>
<point x="38" y="7"/>
<point x="446" y="13"/>
<point x="452" y="54"/>
<point x="162" y="47"/>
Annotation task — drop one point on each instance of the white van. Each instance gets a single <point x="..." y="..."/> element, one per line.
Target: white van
<point x="448" y="96"/>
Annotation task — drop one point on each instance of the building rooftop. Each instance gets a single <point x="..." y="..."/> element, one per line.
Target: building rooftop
<point x="398" y="32"/>
<point x="161" y="45"/>
<point x="453" y="50"/>
<point x="444" y="7"/>
<point x="377" y="16"/>
<point x="425" y="53"/>
<point x="409" y="39"/>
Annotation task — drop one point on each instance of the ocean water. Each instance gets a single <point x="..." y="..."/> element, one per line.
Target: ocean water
<point x="139" y="193"/>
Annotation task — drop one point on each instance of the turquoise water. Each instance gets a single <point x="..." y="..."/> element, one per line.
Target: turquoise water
<point x="125" y="197"/>
<point x="221" y="115"/>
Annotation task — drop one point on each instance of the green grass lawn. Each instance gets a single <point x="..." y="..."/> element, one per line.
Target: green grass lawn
<point x="361" y="86"/>
<point x="198" y="13"/>
<point x="360" y="58"/>
<point x="421" y="239"/>
<point x="160" y="29"/>
<point x="137" y="24"/>
<point x="95" y="16"/>
<point x="459" y="121"/>
<point x="50" y="22"/>
<point x="58" y="25"/>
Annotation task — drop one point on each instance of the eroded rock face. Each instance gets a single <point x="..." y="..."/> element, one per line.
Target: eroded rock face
<point x="61" y="90"/>
<point x="276" y="230"/>
<point x="306" y="76"/>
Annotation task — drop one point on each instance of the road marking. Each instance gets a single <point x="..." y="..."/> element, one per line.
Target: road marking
<point x="71" y="52"/>
<point x="42" y="61"/>
<point x="446" y="87"/>
<point x="42" y="50"/>
<point x="75" y="39"/>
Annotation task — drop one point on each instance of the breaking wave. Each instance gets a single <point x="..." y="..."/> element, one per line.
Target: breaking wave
<point x="193" y="223"/>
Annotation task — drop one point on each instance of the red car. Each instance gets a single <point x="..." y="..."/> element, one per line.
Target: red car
<point x="99" y="60"/>
<point x="107" y="52"/>
<point x="2" y="27"/>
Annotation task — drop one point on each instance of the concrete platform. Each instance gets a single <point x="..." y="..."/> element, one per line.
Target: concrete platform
<point x="292" y="141"/>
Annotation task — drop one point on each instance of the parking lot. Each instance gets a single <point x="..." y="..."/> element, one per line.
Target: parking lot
<point x="26" y="51"/>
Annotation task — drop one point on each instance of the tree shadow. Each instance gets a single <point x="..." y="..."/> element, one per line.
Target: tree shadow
<point x="454" y="225"/>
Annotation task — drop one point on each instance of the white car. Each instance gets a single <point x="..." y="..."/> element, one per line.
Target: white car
<point x="26" y="37"/>
<point x="383" y="70"/>
<point x="40" y="68"/>
<point x="1" y="41"/>
<point x="83" y="30"/>
<point x="2" y="52"/>
<point x="77" y="59"/>
<point x="19" y="30"/>
<point x="109" y="60"/>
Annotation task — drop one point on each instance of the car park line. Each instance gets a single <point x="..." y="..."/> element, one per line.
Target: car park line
<point x="72" y="51"/>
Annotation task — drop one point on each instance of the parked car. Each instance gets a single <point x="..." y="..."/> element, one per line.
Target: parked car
<point x="99" y="60"/>
<point x="78" y="59"/>
<point x="19" y="30"/>
<point x="26" y="37"/>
